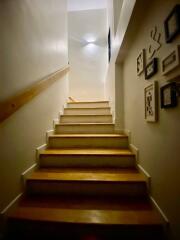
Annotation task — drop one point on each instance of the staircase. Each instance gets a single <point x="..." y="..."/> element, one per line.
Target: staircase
<point x="87" y="185"/>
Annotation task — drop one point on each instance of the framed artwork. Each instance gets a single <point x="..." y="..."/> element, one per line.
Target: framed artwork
<point x="109" y="45"/>
<point x="151" y="68"/>
<point x="171" y="61"/>
<point x="172" y="24"/>
<point x="168" y="95"/>
<point x="150" y="97"/>
<point x="141" y="62"/>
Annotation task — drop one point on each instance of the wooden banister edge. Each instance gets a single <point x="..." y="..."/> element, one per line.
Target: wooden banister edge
<point x="12" y="104"/>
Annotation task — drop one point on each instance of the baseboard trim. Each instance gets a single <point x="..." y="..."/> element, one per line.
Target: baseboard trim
<point x="135" y="150"/>
<point x="55" y="121"/>
<point x="143" y="171"/>
<point x="147" y="176"/>
<point x="29" y="170"/>
<point x="49" y="133"/>
<point x="11" y="204"/>
<point x="128" y="133"/>
<point x="42" y="147"/>
<point x="155" y="204"/>
<point x="159" y="210"/>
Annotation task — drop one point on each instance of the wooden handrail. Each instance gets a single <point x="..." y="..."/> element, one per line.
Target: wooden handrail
<point x="11" y="105"/>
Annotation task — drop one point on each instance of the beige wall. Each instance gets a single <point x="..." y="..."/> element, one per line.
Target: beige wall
<point x="158" y="143"/>
<point x="88" y="60"/>
<point x="33" y="44"/>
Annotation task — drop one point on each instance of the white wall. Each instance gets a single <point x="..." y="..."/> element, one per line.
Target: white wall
<point x="78" y="5"/>
<point x="158" y="143"/>
<point x="111" y="85"/>
<point x="33" y="45"/>
<point x="117" y="4"/>
<point x="88" y="61"/>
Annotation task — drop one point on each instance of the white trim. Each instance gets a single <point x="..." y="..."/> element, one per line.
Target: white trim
<point x="128" y="133"/>
<point x="26" y="173"/>
<point x="11" y="204"/>
<point x="30" y="169"/>
<point x="55" y="121"/>
<point x="151" y="198"/>
<point x="42" y="147"/>
<point x="144" y="171"/>
<point x="147" y="176"/>
<point x="49" y="133"/>
<point x="159" y="210"/>
<point x="135" y="150"/>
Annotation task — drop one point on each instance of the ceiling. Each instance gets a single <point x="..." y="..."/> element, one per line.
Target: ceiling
<point x="78" y="5"/>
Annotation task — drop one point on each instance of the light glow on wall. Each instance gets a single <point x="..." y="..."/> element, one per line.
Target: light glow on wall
<point x="89" y="38"/>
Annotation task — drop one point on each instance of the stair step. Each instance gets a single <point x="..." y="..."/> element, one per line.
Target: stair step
<point x="95" y="157"/>
<point x="84" y="128"/>
<point x="66" y="181"/>
<point x="90" y="118"/>
<point x="88" y="141"/>
<point x="83" y="210"/>
<point x="77" y="111"/>
<point x="88" y="104"/>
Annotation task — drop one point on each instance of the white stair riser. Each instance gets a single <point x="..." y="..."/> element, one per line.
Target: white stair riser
<point x="88" y="105"/>
<point x="77" y="111"/>
<point x="84" y="161"/>
<point x="86" y="188"/>
<point x="89" y="142"/>
<point x="94" y="128"/>
<point x="86" y="119"/>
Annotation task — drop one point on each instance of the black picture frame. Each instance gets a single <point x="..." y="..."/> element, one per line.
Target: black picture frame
<point x="109" y="45"/>
<point x="172" y="24"/>
<point x="168" y="95"/>
<point x="151" y="68"/>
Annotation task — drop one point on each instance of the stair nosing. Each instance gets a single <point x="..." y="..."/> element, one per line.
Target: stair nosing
<point x="88" y="102"/>
<point x="82" y="115"/>
<point x="99" y="124"/>
<point x="85" y="135"/>
<point x="86" y="108"/>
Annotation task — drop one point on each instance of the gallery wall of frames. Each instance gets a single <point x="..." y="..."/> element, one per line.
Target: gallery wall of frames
<point x="149" y="65"/>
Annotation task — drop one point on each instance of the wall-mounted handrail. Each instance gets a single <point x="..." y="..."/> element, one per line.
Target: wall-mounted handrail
<point x="11" y="105"/>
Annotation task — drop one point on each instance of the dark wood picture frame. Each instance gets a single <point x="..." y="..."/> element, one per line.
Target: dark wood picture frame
<point x="168" y="95"/>
<point x="172" y="24"/>
<point x="151" y="68"/>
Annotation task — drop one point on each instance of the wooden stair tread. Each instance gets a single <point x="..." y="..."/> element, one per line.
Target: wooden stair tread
<point x="87" y="151"/>
<point x="88" y="102"/>
<point x="88" y="114"/>
<point x="87" y="211"/>
<point x="84" y="124"/>
<point x="82" y="108"/>
<point x="85" y="135"/>
<point x="87" y="175"/>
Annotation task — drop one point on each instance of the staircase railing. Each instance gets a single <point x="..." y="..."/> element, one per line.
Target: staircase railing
<point x="11" y="105"/>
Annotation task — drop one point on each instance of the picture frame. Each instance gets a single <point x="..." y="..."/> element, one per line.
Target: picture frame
<point x="109" y="45"/>
<point x="171" y="61"/>
<point x="172" y="24"/>
<point x="150" y="102"/>
<point x="168" y="95"/>
<point x="151" y="68"/>
<point x="140" y="62"/>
